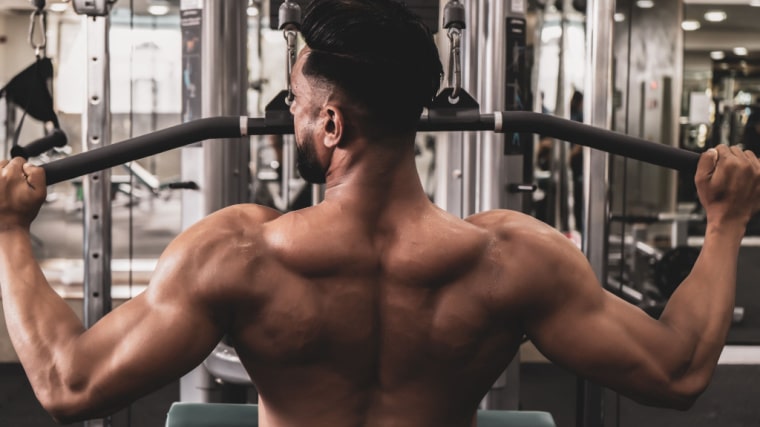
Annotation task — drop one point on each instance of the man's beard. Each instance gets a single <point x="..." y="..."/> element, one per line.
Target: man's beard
<point x="308" y="164"/>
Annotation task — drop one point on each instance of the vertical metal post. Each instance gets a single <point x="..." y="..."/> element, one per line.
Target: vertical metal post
<point x="449" y="174"/>
<point x="288" y="166"/>
<point x="224" y="92"/>
<point x="491" y="96"/>
<point x="560" y="157"/>
<point x="10" y="127"/>
<point x="219" y="167"/>
<point x="96" y="125"/>
<point x="470" y="74"/>
<point x="456" y="160"/>
<point x="598" y="112"/>
<point x="496" y="168"/>
<point x="317" y="194"/>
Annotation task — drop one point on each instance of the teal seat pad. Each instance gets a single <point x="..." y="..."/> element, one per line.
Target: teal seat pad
<point x="184" y="414"/>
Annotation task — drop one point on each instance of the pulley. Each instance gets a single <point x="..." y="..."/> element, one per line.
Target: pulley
<point x="289" y="15"/>
<point x="454" y="15"/>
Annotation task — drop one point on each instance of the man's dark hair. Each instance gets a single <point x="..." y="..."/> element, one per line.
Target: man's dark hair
<point x="378" y="53"/>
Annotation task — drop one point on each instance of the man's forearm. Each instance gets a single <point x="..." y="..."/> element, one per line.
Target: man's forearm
<point x="701" y="309"/>
<point x="40" y="323"/>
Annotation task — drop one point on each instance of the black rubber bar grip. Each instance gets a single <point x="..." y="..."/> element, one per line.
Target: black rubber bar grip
<point x="56" y="138"/>
<point x="571" y="131"/>
<point x="230" y="127"/>
<point x="602" y="139"/>
<point x="147" y="145"/>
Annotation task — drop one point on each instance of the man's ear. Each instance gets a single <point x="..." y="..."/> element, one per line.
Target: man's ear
<point x="334" y="126"/>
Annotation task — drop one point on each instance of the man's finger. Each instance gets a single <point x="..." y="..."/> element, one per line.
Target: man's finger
<point x="737" y="151"/>
<point x="35" y="175"/>
<point x="18" y="161"/>
<point x="13" y="169"/>
<point x="752" y="158"/>
<point x="707" y="163"/>
<point x="15" y="165"/>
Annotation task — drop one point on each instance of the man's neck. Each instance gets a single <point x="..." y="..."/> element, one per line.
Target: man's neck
<point x="374" y="177"/>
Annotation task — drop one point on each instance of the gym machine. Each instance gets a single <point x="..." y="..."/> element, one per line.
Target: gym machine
<point x="451" y="120"/>
<point x="233" y="128"/>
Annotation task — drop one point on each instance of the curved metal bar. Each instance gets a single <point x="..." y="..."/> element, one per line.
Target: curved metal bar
<point x="511" y="121"/>
<point x="150" y="144"/>
<point x="602" y="139"/>
<point x="572" y="131"/>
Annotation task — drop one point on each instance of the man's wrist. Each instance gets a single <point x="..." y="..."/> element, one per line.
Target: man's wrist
<point x="726" y="228"/>
<point x="13" y="229"/>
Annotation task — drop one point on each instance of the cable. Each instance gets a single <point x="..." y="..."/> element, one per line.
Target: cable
<point x="625" y="173"/>
<point x="624" y="209"/>
<point x="130" y="243"/>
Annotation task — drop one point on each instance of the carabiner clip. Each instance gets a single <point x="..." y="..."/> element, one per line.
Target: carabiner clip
<point x="455" y="65"/>
<point x="38" y="43"/>
<point x="291" y="38"/>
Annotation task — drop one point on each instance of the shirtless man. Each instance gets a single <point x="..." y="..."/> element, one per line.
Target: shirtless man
<point x="374" y="308"/>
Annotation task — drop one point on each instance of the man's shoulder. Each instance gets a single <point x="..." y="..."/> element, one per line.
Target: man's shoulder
<point x="505" y="222"/>
<point x="244" y="214"/>
<point x="226" y="226"/>
<point x="235" y="219"/>
<point x="532" y="255"/>
<point x="518" y="230"/>
<point x="220" y="247"/>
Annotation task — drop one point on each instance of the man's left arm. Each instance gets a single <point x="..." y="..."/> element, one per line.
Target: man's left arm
<point x="148" y="341"/>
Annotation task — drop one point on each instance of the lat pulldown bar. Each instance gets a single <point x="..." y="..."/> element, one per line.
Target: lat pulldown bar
<point x="236" y="127"/>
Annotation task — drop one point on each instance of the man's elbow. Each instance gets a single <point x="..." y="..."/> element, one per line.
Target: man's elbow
<point x="682" y="393"/>
<point x="65" y="418"/>
<point x="63" y="411"/>
<point x="673" y="392"/>
<point x="680" y="403"/>
<point x="66" y="405"/>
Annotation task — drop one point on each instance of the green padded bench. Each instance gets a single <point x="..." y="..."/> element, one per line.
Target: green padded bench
<point x="183" y="414"/>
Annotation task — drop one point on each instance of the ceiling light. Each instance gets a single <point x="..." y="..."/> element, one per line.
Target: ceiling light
<point x="58" y="7"/>
<point x="715" y="16"/>
<point x="158" y="9"/>
<point x="620" y="17"/>
<point x="252" y="11"/>
<point x="740" y="51"/>
<point x="690" y="25"/>
<point x="645" y="4"/>
<point x="717" y="55"/>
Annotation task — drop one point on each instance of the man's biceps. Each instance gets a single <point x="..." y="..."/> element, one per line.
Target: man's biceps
<point x="571" y="317"/>
<point x="555" y="330"/>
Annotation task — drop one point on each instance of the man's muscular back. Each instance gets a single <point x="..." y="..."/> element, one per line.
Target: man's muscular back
<point x="367" y="321"/>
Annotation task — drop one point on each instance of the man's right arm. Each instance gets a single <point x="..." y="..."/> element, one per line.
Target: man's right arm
<point x="146" y="342"/>
<point x="666" y="362"/>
